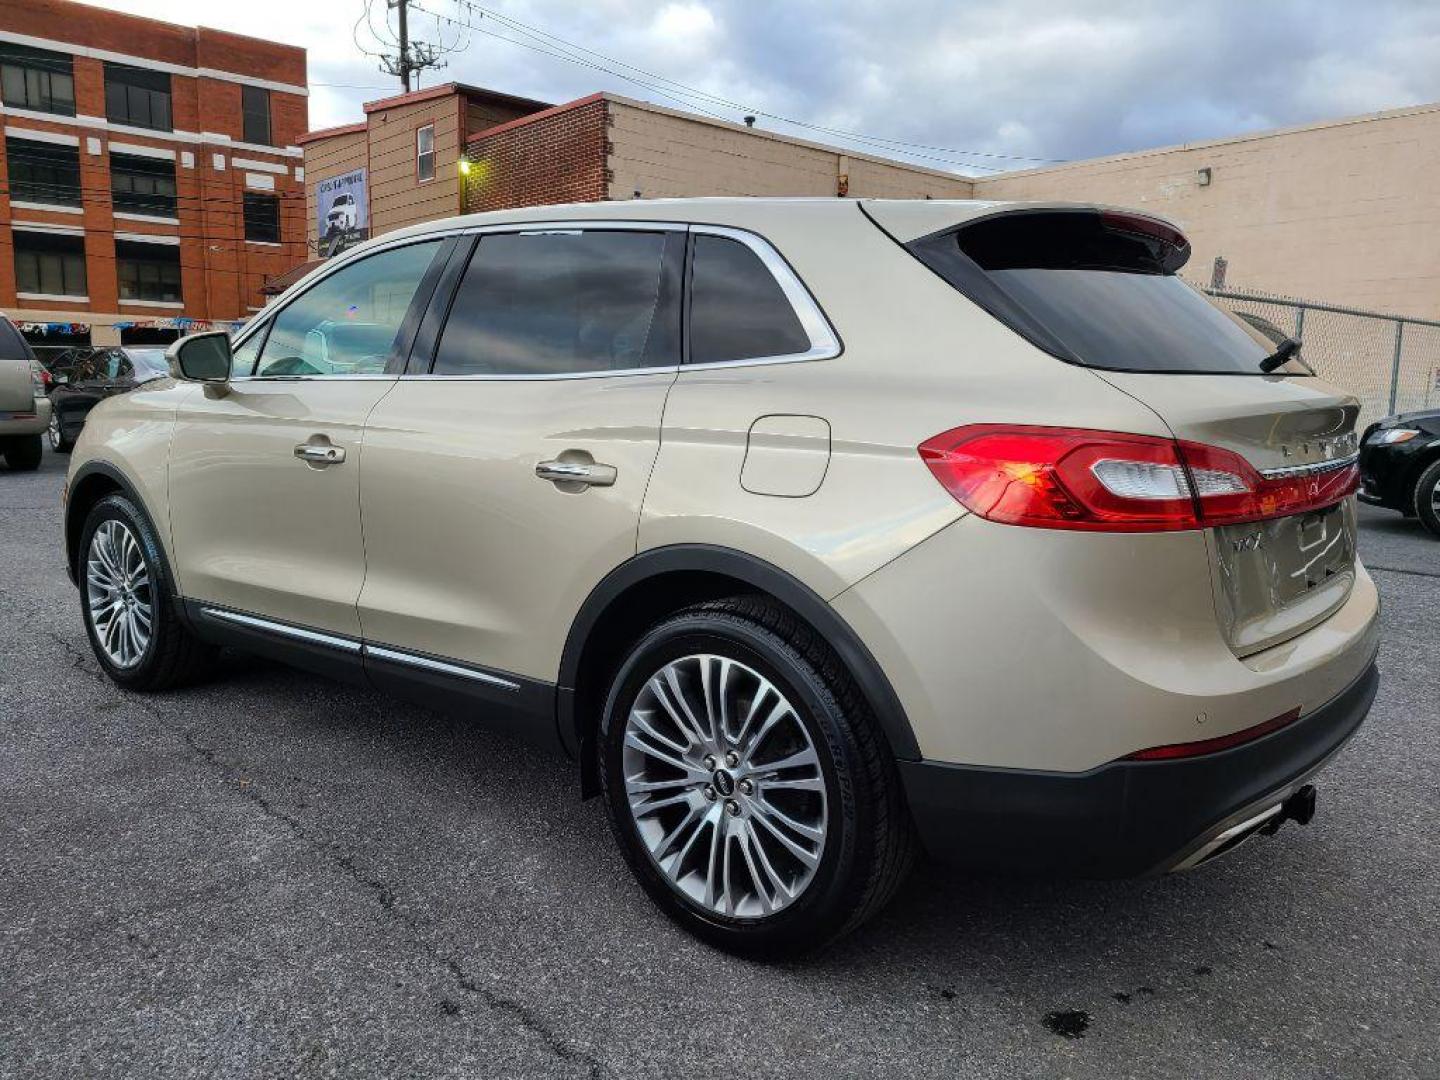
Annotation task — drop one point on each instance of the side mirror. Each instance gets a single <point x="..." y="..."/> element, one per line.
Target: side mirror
<point x="203" y="358"/>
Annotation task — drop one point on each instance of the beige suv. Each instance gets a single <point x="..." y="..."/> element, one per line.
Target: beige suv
<point x="813" y="532"/>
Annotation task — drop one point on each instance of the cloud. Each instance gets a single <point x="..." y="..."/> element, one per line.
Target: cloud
<point x="1033" y="78"/>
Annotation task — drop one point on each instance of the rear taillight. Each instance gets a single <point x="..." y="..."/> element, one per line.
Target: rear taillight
<point x="1068" y="478"/>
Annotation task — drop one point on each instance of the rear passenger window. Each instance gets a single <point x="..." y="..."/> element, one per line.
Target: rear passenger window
<point x="737" y="309"/>
<point x="559" y="303"/>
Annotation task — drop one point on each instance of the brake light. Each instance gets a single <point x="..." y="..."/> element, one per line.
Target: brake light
<point x="1171" y="751"/>
<point x="1070" y="478"/>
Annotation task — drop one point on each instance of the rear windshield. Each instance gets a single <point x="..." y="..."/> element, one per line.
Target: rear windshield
<point x="1098" y="289"/>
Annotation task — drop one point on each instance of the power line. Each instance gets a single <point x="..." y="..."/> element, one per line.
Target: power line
<point x="648" y="79"/>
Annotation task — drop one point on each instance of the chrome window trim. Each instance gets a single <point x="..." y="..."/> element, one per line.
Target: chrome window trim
<point x="283" y="629"/>
<point x="380" y="652"/>
<point x="1310" y="470"/>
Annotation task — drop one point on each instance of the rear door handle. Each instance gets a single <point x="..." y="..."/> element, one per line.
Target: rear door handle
<point x="320" y="454"/>
<point x="576" y="472"/>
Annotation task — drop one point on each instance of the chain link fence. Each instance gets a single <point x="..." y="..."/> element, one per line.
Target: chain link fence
<point x="1391" y="363"/>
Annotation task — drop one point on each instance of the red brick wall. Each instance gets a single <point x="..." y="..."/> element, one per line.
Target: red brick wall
<point x="555" y="156"/>
<point x="221" y="273"/>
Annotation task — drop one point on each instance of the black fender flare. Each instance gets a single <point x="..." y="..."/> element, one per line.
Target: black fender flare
<point x="72" y="527"/>
<point x="763" y="577"/>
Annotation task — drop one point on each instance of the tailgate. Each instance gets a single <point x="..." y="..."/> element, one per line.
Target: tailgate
<point x="1276" y="578"/>
<point x="17" y="385"/>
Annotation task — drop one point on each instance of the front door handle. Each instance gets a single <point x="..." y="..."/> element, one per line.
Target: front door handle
<point x="585" y="473"/>
<point x="320" y="454"/>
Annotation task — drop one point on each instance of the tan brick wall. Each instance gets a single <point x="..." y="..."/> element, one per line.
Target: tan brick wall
<point x="397" y="197"/>
<point x="557" y="156"/>
<point x="1345" y="212"/>
<point x="667" y="154"/>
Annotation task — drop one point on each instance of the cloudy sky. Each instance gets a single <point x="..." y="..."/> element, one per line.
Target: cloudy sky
<point x="957" y="81"/>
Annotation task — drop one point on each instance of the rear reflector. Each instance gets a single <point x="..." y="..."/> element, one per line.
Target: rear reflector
<point x="1072" y="478"/>
<point x="1210" y="746"/>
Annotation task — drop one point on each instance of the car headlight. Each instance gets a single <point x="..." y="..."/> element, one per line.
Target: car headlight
<point x="1395" y="435"/>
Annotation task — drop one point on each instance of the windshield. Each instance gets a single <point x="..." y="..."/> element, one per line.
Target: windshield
<point x="1098" y="289"/>
<point x="149" y="363"/>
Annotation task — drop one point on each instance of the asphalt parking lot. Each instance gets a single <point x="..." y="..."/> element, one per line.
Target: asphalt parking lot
<point x="271" y="875"/>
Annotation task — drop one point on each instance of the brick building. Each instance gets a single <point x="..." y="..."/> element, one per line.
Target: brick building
<point x="151" y="173"/>
<point x="1342" y="211"/>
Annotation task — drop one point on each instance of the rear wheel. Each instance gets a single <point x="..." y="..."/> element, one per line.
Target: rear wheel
<point x="1426" y="499"/>
<point x="747" y="783"/>
<point x="129" y="602"/>
<point x="58" y="442"/>
<point x="22" y="452"/>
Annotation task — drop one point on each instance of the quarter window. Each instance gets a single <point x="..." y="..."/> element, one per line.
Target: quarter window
<point x="43" y="172"/>
<point x="348" y="323"/>
<point x="556" y="303"/>
<point x="255" y="110"/>
<point x="49" y="265"/>
<point x="138" y="97"/>
<point x="425" y="153"/>
<point x="142" y="185"/>
<point x="262" y="218"/>
<point x="38" y="79"/>
<point x="737" y="309"/>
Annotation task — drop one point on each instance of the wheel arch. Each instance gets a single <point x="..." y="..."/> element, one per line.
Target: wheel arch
<point x="629" y="599"/>
<point x="1416" y="469"/>
<point x="91" y="483"/>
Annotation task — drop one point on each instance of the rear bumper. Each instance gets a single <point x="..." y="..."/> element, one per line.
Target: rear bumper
<point x="1124" y="818"/>
<point x="29" y="423"/>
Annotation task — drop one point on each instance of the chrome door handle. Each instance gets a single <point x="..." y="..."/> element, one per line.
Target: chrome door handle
<point x="576" y="472"/>
<point x="320" y="454"/>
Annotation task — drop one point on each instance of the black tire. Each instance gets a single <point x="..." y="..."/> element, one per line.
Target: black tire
<point x="1423" y="498"/>
<point x="173" y="656"/>
<point x="58" y="441"/>
<point x="23" y="452"/>
<point x="870" y="842"/>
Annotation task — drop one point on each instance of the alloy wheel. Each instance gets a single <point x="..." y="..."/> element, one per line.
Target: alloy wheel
<point x="725" y="786"/>
<point x="119" y="593"/>
<point x="54" y="430"/>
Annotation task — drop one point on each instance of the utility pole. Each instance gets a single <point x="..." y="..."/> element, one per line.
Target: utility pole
<point x="404" y="64"/>
<point x="411" y="57"/>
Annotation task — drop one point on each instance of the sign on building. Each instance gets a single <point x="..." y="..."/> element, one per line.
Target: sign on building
<point x="342" y="211"/>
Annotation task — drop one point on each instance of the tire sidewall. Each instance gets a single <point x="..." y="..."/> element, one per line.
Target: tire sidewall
<point x="1423" y="503"/>
<point x="119" y="508"/>
<point x="755" y="646"/>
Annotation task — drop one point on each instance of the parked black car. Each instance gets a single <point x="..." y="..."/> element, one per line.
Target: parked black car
<point x="1400" y="465"/>
<point x="88" y="380"/>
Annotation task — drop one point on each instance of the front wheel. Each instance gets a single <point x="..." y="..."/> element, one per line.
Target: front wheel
<point x="129" y="602"/>
<point x="747" y="782"/>
<point x="1427" y="498"/>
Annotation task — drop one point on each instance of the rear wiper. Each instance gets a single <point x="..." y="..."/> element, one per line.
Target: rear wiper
<point x="1287" y="350"/>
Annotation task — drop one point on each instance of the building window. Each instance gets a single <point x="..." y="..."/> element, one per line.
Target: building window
<point x="142" y="185"/>
<point x="148" y="271"/>
<point x="38" y="79"/>
<point x="47" y="264"/>
<point x="262" y="218"/>
<point x="137" y="96"/>
<point x="43" y="172"/>
<point x="425" y="153"/>
<point x="255" y="107"/>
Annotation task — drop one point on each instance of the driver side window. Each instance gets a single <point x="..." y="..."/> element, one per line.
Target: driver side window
<point x="347" y="324"/>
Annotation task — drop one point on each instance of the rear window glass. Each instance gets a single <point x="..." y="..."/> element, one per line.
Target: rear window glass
<point x="557" y="303"/>
<point x="1097" y="290"/>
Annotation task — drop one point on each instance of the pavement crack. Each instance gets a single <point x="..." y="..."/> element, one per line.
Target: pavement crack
<point x="1404" y="570"/>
